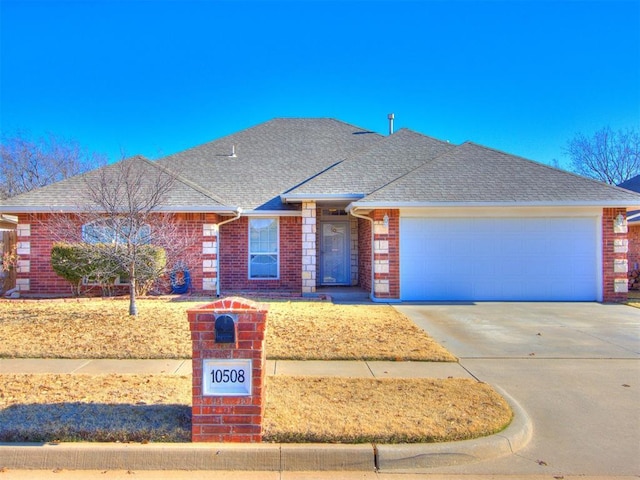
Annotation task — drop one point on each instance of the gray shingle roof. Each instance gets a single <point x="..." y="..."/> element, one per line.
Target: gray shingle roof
<point x="385" y="161"/>
<point x="473" y="174"/>
<point x="316" y="157"/>
<point x="69" y="194"/>
<point x="271" y="158"/>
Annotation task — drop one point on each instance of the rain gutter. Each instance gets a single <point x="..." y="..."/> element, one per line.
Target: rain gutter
<point x="238" y="213"/>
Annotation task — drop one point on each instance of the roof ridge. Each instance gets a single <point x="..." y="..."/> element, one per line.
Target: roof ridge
<point x="239" y="132"/>
<point x="315" y="175"/>
<point x="420" y="134"/>
<point x="337" y="120"/>
<point x="423" y="164"/>
<point x="333" y="119"/>
<point x="208" y="142"/>
<point x="384" y="138"/>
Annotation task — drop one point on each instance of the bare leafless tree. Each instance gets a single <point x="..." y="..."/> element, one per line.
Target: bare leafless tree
<point x="123" y="208"/>
<point x="31" y="163"/>
<point x="609" y="156"/>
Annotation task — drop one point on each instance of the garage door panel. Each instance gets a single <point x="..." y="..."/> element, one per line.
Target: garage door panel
<point x="499" y="258"/>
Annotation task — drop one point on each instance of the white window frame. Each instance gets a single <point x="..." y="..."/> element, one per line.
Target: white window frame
<point x="276" y="253"/>
<point x="110" y="236"/>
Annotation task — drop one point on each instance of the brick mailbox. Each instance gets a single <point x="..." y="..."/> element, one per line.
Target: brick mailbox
<point x="227" y="337"/>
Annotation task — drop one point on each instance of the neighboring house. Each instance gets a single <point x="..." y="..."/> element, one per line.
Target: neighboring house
<point x="307" y="203"/>
<point x="633" y="218"/>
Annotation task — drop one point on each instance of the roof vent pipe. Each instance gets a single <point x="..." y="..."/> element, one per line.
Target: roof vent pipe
<point x="233" y="151"/>
<point x="390" y="117"/>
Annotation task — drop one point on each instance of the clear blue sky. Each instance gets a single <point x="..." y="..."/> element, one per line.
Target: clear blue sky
<point x="156" y="77"/>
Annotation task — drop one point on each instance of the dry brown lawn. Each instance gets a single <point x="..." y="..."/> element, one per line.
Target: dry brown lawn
<point x="357" y="410"/>
<point x="323" y="331"/>
<point x="296" y="330"/>
<point x="298" y="409"/>
<point x="136" y="408"/>
<point x="94" y="328"/>
<point x="101" y="408"/>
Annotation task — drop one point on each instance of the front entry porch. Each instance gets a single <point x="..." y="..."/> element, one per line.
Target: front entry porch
<point x="330" y="247"/>
<point x="345" y="295"/>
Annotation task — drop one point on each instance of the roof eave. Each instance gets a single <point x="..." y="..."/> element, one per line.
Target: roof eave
<point x="271" y="213"/>
<point x="319" y="197"/>
<point x="601" y="204"/>
<point x="74" y="209"/>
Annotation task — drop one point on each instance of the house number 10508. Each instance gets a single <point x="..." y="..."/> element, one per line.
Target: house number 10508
<point x="227" y="375"/>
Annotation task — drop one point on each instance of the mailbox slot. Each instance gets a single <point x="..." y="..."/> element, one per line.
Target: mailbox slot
<point x="225" y="328"/>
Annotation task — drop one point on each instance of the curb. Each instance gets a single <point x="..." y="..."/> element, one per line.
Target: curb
<point x="415" y="457"/>
<point x="269" y="457"/>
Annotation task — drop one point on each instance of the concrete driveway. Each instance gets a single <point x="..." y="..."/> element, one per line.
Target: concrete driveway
<point x="574" y="367"/>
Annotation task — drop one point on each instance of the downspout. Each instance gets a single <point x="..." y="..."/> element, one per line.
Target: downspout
<point x="217" y="227"/>
<point x="372" y="295"/>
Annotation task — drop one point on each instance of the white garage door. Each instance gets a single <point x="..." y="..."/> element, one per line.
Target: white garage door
<point x="499" y="259"/>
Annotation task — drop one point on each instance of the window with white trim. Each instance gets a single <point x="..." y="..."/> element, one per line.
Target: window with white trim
<point x="113" y="231"/>
<point x="263" y="248"/>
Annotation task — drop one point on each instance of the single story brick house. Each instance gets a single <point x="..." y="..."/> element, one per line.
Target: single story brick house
<point x="293" y="205"/>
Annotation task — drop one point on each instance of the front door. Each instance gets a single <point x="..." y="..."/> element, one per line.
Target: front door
<point x="334" y="253"/>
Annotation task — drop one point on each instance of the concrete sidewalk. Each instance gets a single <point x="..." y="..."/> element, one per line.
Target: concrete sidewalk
<point x="373" y="369"/>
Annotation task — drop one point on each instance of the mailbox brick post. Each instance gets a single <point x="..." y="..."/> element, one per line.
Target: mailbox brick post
<point x="228" y="416"/>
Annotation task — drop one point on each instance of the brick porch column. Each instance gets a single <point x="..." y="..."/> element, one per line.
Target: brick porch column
<point x="386" y="251"/>
<point x="614" y="255"/>
<point x="309" y="249"/>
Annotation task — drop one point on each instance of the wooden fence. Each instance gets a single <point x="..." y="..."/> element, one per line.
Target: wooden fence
<point x="8" y="239"/>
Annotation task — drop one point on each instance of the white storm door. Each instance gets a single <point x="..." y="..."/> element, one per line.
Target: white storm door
<point x="334" y="253"/>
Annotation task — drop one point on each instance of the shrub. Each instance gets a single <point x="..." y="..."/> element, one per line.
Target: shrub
<point x="150" y="265"/>
<point x="68" y="261"/>
<point x="103" y="263"/>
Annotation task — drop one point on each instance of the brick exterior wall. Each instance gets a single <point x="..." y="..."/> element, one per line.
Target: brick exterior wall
<point x="387" y="254"/>
<point x="37" y="234"/>
<point x="614" y="256"/>
<point x="191" y="226"/>
<point x="36" y="277"/>
<point x="35" y="239"/>
<point x="234" y="258"/>
<point x="364" y="254"/>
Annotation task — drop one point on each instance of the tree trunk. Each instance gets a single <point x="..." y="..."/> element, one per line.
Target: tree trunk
<point x="133" y="308"/>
